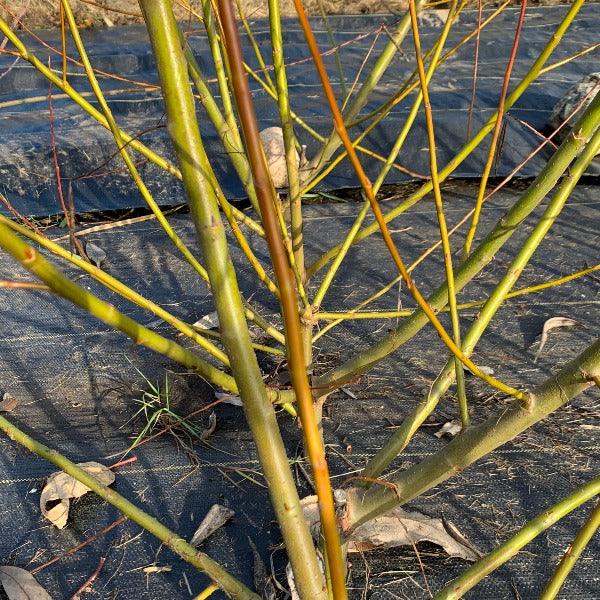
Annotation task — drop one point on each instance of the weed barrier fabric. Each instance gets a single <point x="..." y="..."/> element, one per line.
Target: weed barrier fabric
<point x="76" y="384"/>
<point x="98" y="181"/>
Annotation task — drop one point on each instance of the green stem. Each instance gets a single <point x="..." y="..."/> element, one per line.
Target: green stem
<point x="477" y="441"/>
<point x="260" y="414"/>
<point x="282" y="266"/>
<point x="291" y="156"/>
<point x="410" y="119"/>
<point x="31" y="260"/>
<point x="335" y="265"/>
<point x="495" y="559"/>
<point x="565" y="566"/>
<point x="439" y="207"/>
<point x="377" y="72"/>
<point x="480" y="257"/>
<point x="408" y="428"/>
<point x="231" y="586"/>
<point x="468" y="148"/>
<point x="230" y="138"/>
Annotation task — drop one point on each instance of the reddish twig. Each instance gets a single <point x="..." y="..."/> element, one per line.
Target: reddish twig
<point x="497" y="130"/>
<point x="83" y="544"/>
<point x="122" y="463"/>
<point x="90" y="580"/>
<point x="475" y="68"/>
<point x="74" y="242"/>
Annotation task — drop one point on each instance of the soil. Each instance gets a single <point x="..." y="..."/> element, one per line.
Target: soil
<point x="44" y="13"/>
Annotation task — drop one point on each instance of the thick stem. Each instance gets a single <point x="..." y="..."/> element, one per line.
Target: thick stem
<point x="289" y="305"/>
<point x="185" y="134"/>
<point x="61" y="285"/>
<point x="477" y="441"/>
<point x="474" y="574"/>
<point x="231" y="586"/>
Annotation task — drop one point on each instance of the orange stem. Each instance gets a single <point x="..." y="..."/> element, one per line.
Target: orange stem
<point x="288" y="298"/>
<point x="368" y="190"/>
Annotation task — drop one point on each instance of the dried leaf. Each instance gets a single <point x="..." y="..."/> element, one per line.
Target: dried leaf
<point x="61" y="488"/>
<point x="272" y="141"/>
<point x="549" y="325"/>
<point x="209" y="321"/>
<point x="397" y="527"/>
<point x="216" y="517"/>
<point x="20" y="584"/>
<point x="263" y="583"/>
<point x="95" y="253"/>
<point x="453" y="530"/>
<point x="403" y="528"/>
<point x="212" y="425"/>
<point x="228" y="398"/>
<point x="8" y="403"/>
<point x="348" y="393"/>
<point x="483" y="369"/>
<point x="450" y="428"/>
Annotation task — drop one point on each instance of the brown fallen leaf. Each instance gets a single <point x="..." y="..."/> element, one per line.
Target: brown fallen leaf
<point x="60" y="488"/>
<point x="20" y="584"/>
<point x="549" y="325"/>
<point x="8" y="403"/>
<point x="215" y="518"/>
<point x="397" y="527"/>
<point x="208" y="321"/>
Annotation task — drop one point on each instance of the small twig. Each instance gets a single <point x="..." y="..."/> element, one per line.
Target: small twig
<point x="90" y="580"/>
<point x="122" y="463"/>
<point x="83" y="544"/>
<point x="25" y="285"/>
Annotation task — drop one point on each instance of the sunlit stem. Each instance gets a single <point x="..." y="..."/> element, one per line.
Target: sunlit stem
<point x="379" y="68"/>
<point x="231" y="586"/>
<point x="410" y="119"/>
<point x="335" y="265"/>
<point x="503" y="553"/>
<point x="437" y="195"/>
<point x="61" y="285"/>
<point x="574" y="551"/>
<point x="183" y="128"/>
<point x="495" y="135"/>
<point x="468" y="148"/>
<point x="385" y="232"/>
<point x="476" y="441"/>
<point x="405" y="432"/>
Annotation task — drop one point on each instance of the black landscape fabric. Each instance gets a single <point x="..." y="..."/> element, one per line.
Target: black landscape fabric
<point x="78" y="390"/>
<point x="98" y="180"/>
